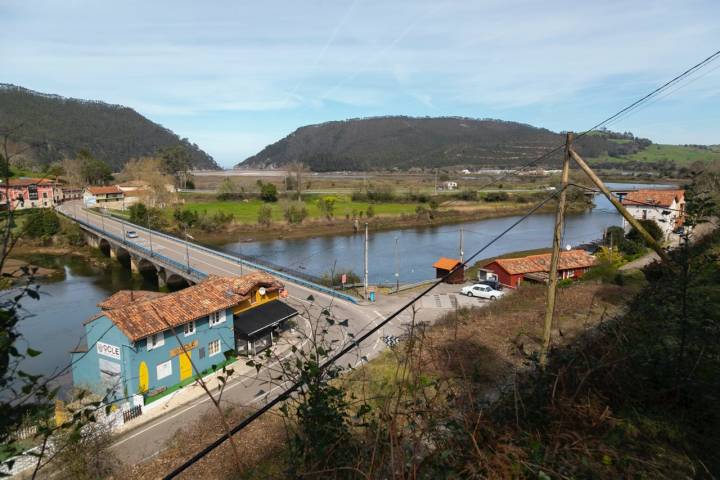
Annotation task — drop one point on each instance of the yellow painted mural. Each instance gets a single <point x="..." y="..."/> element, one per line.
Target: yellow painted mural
<point x="143" y="378"/>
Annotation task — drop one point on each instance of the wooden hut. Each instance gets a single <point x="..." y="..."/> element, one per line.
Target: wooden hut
<point x="445" y="265"/>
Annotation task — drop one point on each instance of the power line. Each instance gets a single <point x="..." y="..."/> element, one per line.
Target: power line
<point x="355" y="343"/>
<point x="285" y="394"/>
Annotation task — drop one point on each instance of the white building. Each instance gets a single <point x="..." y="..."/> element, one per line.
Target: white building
<point x="665" y="207"/>
<point x="450" y="185"/>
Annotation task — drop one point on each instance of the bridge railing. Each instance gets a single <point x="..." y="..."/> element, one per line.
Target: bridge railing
<point x="199" y="275"/>
<point x="236" y="260"/>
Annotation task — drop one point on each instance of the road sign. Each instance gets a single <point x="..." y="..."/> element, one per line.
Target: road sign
<point x="343" y="279"/>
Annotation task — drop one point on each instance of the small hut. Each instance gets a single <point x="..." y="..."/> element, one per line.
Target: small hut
<point x="445" y="265"/>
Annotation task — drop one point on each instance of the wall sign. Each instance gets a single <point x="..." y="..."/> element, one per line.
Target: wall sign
<point x="108" y="350"/>
<point x="188" y="346"/>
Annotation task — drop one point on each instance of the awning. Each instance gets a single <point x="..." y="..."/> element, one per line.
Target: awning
<point x="262" y="317"/>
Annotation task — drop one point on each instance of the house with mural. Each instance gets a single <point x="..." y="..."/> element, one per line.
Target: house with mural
<point x="512" y="271"/>
<point x="143" y="342"/>
<point x="665" y="207"/>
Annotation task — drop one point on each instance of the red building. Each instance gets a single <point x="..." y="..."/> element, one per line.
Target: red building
<point x="511" y="271"/>
<point x="22" y="193"/>
<point x="445" y="265"/>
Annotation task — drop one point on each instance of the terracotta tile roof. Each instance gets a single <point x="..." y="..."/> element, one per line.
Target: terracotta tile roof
<point x="104" y="190"/>
<point x="25" y="181"/>
<point x="446" y="263"/>
<point x="140" y="319"/>
<point x="661" y="198"/>
<point x="541" y="263"/>
<point x="126" y="297"/>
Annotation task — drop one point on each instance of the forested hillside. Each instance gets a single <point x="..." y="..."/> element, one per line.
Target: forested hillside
<point x="55" y="127"/>
<point x="404" y="142"/>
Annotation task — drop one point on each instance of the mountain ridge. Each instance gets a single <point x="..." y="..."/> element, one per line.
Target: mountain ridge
<point x="53" y="127"/>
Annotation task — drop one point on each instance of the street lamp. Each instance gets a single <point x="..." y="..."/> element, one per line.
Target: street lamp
<point x="150" y="233"/>
<point x="103" y="212"/>
<point x="187" y="248"/>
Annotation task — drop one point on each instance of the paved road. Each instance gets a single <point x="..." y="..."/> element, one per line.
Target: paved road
<point x="146" y="441"/>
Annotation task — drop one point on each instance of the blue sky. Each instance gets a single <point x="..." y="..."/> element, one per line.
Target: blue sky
<point x="236" y="76"/>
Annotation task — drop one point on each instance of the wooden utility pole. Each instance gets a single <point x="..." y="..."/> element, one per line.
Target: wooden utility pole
<point x="365" y="282"/>
<point x="557" y="238"/>
<point x="619" y="206"/>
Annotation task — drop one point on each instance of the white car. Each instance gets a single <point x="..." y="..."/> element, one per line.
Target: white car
<point x="131" y="234"/>
<point x="481" y="291"/>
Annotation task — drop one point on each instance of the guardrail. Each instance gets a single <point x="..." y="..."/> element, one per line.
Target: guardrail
<point x="239" y="261"/>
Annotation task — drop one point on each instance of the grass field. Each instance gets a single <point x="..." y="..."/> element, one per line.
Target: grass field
<point x="679" y="154"/>
<point x="247" y="211"/>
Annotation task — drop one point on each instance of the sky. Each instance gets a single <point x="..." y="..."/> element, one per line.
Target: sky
<point x="235" y="76"/>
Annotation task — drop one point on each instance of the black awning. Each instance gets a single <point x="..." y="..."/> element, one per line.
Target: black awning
<point x="262" y="317"/>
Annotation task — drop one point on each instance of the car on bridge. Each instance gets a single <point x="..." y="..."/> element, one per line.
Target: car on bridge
<point x="481" y="291"/>
<point x="131" y="234"/>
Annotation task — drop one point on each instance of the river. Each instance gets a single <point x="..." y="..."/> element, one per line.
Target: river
<point x="53" y="324"/>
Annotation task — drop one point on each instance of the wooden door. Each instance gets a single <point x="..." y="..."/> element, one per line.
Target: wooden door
<point x="185" y="365"/>
<point x="143" y="378"/>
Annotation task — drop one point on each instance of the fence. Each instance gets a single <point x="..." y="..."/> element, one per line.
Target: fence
<point x="276" y="271"/>
<point x="132" y="412"/>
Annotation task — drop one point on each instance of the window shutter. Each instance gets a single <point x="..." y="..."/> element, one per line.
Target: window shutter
<point x="201" y="352"/>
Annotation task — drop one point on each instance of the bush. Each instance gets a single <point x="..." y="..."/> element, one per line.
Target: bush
<point x="186" y="218"/>
<point x="327" y="206"/>
<point x="336" y="280"/>
<point x="138" y="214"/>
<point x="268" y="192"/>
<point x="295" y="212"/>
<point x="224" y="197"/>
<point x="497" y="197"/>
<point x="467" y="195"/>
<point x="650" y="226"/>
<point x="265" y="215"/>
<point x="42" y="223"/>
<point x="370" y="211"/>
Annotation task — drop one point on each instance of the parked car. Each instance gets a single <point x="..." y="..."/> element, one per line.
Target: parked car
<point x="131" y="234"/>
<point x="494" y="284"/>
<point x="481" y="291"/>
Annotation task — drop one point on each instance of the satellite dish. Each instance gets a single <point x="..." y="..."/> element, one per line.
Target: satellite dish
<point x="568" y="247"/>
<point x="261" y="291"/>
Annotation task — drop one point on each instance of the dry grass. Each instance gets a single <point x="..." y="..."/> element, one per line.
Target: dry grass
<point x="259" y="445"/>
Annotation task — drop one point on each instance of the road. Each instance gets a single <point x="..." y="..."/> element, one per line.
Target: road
<point x="146" y="441"/>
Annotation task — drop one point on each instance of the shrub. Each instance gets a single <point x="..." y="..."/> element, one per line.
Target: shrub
<point x="138" y="214"/>
<point x="186" y="218"/>
<point x="42" y="223"/>
<point x="295" y="212"/>
<point x="327" y="206"/>
<point x="496" y="197"/>
<point x="224" y="197"/>
<point x="370" y="211"/>
<point x="265" y="215"/>
<point x="650" y="226"/>
<point x="336" y="280"/>
<point x="268" y="192"/>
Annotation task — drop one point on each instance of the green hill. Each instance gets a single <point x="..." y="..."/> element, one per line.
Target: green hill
<point x="54" y="127"/>
<point x="404" y="142"/>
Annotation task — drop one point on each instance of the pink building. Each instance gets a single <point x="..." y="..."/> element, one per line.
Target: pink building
<point x="28" y="192"/>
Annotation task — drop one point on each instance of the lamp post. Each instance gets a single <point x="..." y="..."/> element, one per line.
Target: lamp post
<point x="102" y="218"/>
<point x="397" y="266"/>
<point x="187" y="248"/>
<point x="150" y="234"/>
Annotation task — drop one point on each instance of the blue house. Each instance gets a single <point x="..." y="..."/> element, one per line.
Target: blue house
<point x="142" y="342"/>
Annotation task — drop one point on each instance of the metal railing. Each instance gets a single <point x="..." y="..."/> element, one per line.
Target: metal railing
<point x="255" y="265"/>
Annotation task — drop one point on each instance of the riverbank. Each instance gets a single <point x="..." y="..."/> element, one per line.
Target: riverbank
<point x="461" y="213"/>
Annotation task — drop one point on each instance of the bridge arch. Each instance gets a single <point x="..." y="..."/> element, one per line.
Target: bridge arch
<point x="123" y="256"/>
<point x="175" y="282"/>
<point x="105" y="247"/>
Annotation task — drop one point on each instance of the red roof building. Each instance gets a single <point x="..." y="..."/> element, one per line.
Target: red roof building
<point x="26" y="192"/>
<point x="511" y="271"/>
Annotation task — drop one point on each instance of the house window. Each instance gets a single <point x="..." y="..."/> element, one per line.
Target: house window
<point x="189" y="329"/>
<point x="164" y="369"/>
<point x="214" y="347"/>
<point x="155" y="341"/>
<point x="217" y="318"/>
<point x="644" y="215"/>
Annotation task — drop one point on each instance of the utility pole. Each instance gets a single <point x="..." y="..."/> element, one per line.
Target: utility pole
<point x="366" y="261"/>
<point x="462" y="252"/>
<point x="616" y="203"/>
<point x="436" y="181"/>
<point x="557" y="236"/>
<point x="187" y="249"/>
<point x="397" y="266"/>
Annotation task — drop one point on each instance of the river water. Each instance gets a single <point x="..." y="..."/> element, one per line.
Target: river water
<point x="418" y="248"/>
<point x="53" y="324"/>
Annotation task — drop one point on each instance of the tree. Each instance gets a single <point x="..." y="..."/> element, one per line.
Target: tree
<point x="159" y="191"/>
<point x="650" y="227"/>
<point x="138" y="214"/>
<point x="268" y="192"/>
<point x="41" y="223"/>
<point x="265" y="215"/>
<point x="327" y="206"/>
<point x="297" y="170"/>
<point x="370" y="211"/>
<point x="294" y="212"/>
<point x="227" y="190"/>
<point x="93" y="170"/>
<point x="177" y="162"/>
